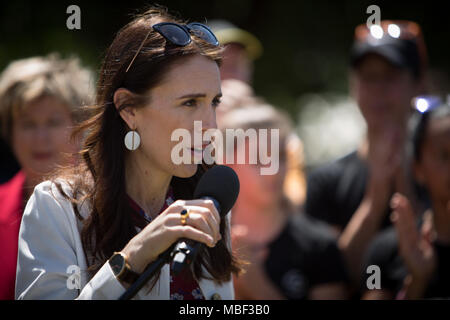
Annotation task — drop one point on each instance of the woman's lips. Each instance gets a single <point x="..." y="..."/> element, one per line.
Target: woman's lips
<point x="197" y="151"/>
<point x="203" y="147"/>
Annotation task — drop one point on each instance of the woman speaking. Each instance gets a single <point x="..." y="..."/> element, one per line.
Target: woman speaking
<point x="90" y="232"/>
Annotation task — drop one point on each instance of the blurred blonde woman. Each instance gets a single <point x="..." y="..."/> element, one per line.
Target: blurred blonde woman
<point x="40" y="102"/>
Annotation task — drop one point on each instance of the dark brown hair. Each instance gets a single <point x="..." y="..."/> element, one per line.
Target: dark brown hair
<point x="100" y="179"/>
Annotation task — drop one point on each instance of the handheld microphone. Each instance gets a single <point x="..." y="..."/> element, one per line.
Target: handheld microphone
<point x="219" y="184"/>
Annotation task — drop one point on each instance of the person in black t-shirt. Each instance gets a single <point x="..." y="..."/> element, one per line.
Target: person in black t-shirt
<point x="415" y="264"/>
<point x="353" y="193"/>
<point x="290" y="256"/>
<point x="303" y="258"/>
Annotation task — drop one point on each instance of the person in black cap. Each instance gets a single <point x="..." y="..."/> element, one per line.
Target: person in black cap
<point x="388" y="67"/>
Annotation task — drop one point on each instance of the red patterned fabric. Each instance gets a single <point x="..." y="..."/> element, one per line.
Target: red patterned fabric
<point x="183" y="286"/>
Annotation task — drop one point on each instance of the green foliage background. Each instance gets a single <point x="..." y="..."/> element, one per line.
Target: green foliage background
<point x="306" y="43"/>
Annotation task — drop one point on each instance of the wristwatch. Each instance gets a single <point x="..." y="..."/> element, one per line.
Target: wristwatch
<point x="121" y="269"/>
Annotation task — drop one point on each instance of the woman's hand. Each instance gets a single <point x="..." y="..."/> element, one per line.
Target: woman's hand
<point x="385" y="158"/>
<point x="415" y="248"/>
<point x="385" y="155"/>
<point x="202" y="225"/>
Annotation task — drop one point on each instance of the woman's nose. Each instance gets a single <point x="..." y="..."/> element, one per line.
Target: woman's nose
<point x="42" y="134"/>
<point x="209" y="120"/>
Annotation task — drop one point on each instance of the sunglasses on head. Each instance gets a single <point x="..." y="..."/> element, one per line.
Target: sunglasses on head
<point x="398" y="29"/>
<point x="180" y="34"/>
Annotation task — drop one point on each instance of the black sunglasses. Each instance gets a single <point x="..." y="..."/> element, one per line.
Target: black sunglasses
<point x="180" y="35"/>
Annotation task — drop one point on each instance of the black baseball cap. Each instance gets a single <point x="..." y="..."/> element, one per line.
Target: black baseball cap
<point x="399" y="42"/>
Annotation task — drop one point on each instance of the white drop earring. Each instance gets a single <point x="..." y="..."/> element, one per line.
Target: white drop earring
<point x="132" y="140"/>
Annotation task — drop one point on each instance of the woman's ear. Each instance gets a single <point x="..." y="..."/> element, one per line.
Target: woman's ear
<point x="122" y="98"/>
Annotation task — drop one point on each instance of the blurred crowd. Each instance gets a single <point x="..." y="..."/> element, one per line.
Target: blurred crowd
<point x="373" y="224"/>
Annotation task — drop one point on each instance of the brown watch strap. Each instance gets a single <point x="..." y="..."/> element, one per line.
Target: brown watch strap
<point x="122" y="269"/>
<point x="128" y="275"/>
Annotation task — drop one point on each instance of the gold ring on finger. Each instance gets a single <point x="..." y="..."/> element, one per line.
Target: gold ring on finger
<point x="184" y="215"/>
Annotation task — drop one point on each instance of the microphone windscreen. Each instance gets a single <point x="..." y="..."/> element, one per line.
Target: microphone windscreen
<point x="221" y="183"/>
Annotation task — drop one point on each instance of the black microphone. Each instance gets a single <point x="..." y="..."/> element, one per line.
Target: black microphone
<point x="219" y="184"/>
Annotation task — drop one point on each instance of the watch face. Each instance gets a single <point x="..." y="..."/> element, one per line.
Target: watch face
<point x="117" y="263"/>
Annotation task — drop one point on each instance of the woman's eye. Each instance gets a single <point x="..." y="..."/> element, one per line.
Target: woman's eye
<point x="216" y="102"/>
<point x="190" y="103"/>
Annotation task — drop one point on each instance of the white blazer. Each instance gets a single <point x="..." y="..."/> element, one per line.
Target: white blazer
<point x="51" y="254"/>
